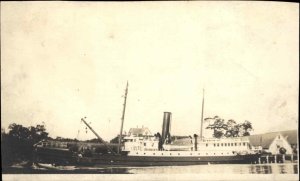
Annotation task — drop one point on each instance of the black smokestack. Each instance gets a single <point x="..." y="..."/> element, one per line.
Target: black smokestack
<point x="166" y="127"/>
<point x="196" y="141"/>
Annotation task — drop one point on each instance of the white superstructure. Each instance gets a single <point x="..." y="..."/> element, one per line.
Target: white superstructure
<point x="149" y="146"/>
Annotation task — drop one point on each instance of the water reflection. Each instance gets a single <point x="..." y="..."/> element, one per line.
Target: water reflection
<point x="286" y="168"/>
<point x="290" y="168"/>
<point x="261" y="169"/>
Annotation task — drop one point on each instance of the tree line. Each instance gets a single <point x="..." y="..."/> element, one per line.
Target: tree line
<point x="17" y="144"/>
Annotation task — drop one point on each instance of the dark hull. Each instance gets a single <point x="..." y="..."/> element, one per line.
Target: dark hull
<point x="62" y="157"/>
<point x="165" y="161"/>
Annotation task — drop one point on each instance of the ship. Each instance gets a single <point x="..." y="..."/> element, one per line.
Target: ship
<point x="154" y="150"/>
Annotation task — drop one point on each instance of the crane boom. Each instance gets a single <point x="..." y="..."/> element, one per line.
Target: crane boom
<point x="96" y="134"/>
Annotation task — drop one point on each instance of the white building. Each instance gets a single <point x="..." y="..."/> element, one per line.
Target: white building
<point x="139" y="132"/>
<point x="276" y="141"/>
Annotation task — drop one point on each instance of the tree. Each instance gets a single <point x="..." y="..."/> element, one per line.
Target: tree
<point x="246" y="127"/>
<point x="218" y="126"/>
<point x="18" y="142"/>
<point x="232" y="128"/>
<point x="229" y="129"/>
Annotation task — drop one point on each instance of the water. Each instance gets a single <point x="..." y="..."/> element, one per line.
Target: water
<point x="280" y="168"/>
<point x="220" y="169"/>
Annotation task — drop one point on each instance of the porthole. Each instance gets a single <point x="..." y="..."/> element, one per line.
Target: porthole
<point x="153" y="153"/>
<point x="137" y="153"/>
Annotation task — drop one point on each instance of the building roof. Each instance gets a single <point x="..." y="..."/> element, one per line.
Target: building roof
<point x="266" y="139"/>
<point x="140" y="131"/>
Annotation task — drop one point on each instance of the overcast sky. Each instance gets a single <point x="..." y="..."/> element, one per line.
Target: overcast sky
<point x="61" y="61"/>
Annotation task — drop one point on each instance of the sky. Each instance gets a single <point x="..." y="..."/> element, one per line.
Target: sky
<point x="62" y="61"/>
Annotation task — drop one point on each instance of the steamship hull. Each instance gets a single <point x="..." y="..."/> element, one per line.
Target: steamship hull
<point x="113" y="160"/>
<point x="66" y="158"/>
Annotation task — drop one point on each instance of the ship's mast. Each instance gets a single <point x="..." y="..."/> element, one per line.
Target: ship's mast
<point x="201" y="129"/>
<point x="122" y="119"/>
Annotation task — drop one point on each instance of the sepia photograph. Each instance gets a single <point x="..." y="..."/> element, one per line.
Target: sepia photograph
<point x="182" y="90"/>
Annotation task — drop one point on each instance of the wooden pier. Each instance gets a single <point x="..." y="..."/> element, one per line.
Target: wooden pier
<point x="279" y="158"/>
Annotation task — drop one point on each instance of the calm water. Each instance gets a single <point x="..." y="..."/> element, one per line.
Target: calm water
<point x="286" y="168"/>
<point x="221" y="168"/>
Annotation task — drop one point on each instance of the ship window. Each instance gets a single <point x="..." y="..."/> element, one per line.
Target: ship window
<point x="153" y="153"/>
<point x="231" y="144"/>
<point x="235" y="144"/>
<point x="206" y="154"/>
<point x="137" y="153"/>
<point x="214" y="144"/>
<point x="218" y="144"/>
<point x="144" y="153"/>
<point x="198" y="153"/>
<point x="240" y="144"/>
<point x="162" y="153"/>
<point x="222" y="153"/>
<point x="206" y="144"/>
<point x="144" y="144"/>
<point x="214" y="153"/>
<point x="178" y="153"/>
<point x="225" y="144"/>
<point x="244" y="144"/>
<point x="221" y="144"/>
<point x="191" y="153"/>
